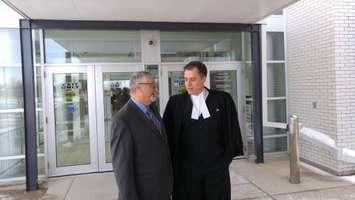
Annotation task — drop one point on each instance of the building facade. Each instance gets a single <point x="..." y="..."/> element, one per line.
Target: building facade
<point x="321" y="80"/>
<point x="81" y="79"/>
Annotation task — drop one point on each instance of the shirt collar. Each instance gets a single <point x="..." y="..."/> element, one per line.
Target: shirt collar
<point x="199" y="105"/>
<point x="141" y="106"/>
<point x="204" y="93"/>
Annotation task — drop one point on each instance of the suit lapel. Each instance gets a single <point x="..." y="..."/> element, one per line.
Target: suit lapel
<point x="140" y="114"/>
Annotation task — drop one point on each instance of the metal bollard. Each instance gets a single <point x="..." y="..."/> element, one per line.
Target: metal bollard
<point x="294" y="129"/>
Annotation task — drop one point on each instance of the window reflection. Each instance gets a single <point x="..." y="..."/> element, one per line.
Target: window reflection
<point x="225" y="80"/>
<point x="276" y="84"/>
<point x="275" y="46"/>
<point x="11" y="88"/>
<point x="11" y="133"/>
<point x="116" y="94"/>
<point x="203" y="46"/>
<point x="11" y="106"/>
<point x="10" y="47"/>
<point x="71" y="119"/>
<point x="176" y="83"/>
<point x="88" y="46"/>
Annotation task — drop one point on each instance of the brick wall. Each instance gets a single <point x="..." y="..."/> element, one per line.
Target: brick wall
<point x="320" y="42"/>
<point x="344" y="22"/>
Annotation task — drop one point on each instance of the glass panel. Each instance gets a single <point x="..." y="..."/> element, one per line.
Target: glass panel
<point x="277" y="110"/>
<point x="154" y="69"/>
<point x="12" y="134"/>
<point x="39" y="121"/>
<point x="274" y="131"/>
<point x="36" y="46"/>
<point x="276" y="80"/>
<point x="116" y="94"/>
<point x="71" y="119"/>
<point x="11" y="88"/>
<point x="203" y="46"/>
<point x="176" y="83"/>
<point x="249" y="108"/>
<point x="10" y="47"/>
<point x="276" y="144"/>
<point x="247" y="47"/>
<point x="12" y="168"/>
<point x="88" y="46"/>
<point x="225" y="80"/>
<point x="275" y="46"/>
<point x="11" y="105"/>
<point x="41" y="165"/>
<point x="39" y="111"/>
<point x="40" y="132"/>
<point x="278" y="12"/>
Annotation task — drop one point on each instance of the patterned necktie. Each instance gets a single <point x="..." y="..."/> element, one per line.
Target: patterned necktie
<point x="151" y="116"/>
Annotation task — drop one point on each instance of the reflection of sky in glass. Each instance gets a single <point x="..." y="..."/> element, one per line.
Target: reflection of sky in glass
<point x="53" y="46"/>
<point x="78" y="46"/>
<point x="10" y="75"/>
<point x="10" y="46"/>
<point x="54" y="50"/>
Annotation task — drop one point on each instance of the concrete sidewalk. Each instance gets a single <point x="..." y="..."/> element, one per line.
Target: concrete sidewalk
<point x="249" y="181"/>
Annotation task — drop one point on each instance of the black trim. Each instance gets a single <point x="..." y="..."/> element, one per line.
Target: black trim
<point x="257" y="93"/>
<point x="137" y="25"/>
<point x="29" y="97"/>
<point x="44" y="46"/>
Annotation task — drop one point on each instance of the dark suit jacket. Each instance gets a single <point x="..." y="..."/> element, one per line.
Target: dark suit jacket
<point x="222" y="106"/>
<point x="140" y="156"/>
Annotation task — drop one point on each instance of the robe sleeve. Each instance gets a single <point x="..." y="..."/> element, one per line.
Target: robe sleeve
<point x="235" y="141"/>
<point x="168" y="119"/>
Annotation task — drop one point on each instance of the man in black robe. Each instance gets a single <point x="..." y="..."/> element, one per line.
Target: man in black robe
<point x="204" y="136"/>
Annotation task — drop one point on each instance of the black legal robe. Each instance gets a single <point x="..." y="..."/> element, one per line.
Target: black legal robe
<point x="222" y="110"/>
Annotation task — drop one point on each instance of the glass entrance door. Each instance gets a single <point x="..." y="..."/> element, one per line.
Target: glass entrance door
<point x="112" y="92"/>
<point x="71" y="127"/>
<point x="81" y="101"/>
<point x="221" y="76"/>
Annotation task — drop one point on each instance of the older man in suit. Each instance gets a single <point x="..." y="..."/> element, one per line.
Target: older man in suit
<point x="140" y="152"/>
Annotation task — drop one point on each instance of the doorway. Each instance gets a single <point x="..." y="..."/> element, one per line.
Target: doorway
<point x="80" y="103"/>
<point x="82" y="99"/>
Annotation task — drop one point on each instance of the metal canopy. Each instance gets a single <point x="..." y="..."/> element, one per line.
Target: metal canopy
<point x="208" y="11"/>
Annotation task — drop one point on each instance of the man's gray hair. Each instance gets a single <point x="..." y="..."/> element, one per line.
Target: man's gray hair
<point x="137" y="77"/>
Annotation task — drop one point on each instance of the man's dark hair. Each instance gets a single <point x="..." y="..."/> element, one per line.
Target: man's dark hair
<point x="202" y="69"/>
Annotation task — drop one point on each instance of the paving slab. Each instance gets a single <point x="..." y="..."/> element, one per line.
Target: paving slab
<point x="246" y="191"/>
<point x="59" y="187"/>
<point x="272" y="177"/>
<point x="236" y="178"/>
<point x="18" y="192"/>
<point x="339" y="193"/>
<point x="100" y="186"/>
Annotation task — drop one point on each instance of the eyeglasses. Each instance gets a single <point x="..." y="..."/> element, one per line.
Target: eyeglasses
<point x="146" y="83"/>
<point x="151" y="84"/>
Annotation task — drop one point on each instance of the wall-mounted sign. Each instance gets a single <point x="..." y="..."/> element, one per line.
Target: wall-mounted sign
<point x="69" y="94"/>
<point x="115" y="85"/>
<point x="70" y="108"/>
<point x="71" y="85"/>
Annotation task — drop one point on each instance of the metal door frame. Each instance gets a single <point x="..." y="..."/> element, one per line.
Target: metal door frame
<point x="53" y="170"/>
<point x="100" y="116"/>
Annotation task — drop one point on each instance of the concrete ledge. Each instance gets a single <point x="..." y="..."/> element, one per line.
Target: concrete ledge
<point x="327" y="169"/>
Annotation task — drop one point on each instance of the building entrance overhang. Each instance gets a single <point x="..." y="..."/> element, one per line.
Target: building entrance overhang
<point x="207" y="11"/>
